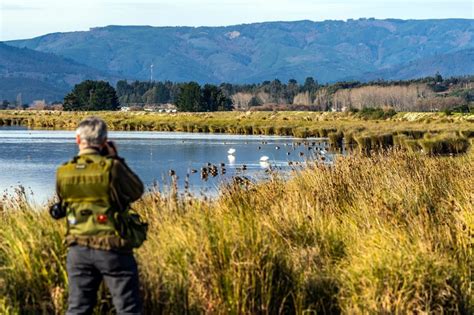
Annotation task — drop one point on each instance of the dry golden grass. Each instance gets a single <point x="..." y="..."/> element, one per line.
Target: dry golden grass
<point x="390" y="233"/>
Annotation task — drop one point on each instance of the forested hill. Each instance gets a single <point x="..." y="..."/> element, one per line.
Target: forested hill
<point x="327" y="51"/>
<point x="38" y="75"/>
<point x="451" y="64"/>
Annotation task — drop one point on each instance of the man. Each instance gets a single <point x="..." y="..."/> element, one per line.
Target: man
<point x="94" y="189"/>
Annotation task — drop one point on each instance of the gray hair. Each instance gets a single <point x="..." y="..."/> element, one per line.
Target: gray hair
<point x="92" y="130"/>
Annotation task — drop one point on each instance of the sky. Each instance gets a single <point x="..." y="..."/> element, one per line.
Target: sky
<point x="30" y="18"/>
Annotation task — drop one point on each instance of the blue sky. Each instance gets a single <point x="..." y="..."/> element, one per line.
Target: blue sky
<point x="30" y="18"/>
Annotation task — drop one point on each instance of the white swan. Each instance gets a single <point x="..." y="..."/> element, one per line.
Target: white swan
<point x="264" y="158"/>
<point x="231" y="151"/>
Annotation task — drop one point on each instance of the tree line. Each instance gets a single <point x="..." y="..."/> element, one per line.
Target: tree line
<point x="188" y="97"/>
<point x="426" y="94"/>
<point x="141" y="93"/>
<point x="429" y="93"/>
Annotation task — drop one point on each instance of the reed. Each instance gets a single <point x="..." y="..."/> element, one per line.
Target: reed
<point x="389" y="233"/>
<point x="336" y="139"/>
<point x="444" y="144"/>
<point x="364" y="143"/>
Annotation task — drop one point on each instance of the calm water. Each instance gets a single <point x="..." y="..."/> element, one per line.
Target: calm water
<point x="30" y="157"/>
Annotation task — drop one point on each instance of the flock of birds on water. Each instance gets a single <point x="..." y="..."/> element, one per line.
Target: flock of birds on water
<point x="315" y="150"/>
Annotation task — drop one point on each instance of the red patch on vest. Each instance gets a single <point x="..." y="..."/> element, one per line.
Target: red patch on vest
<point x="102" y="218"/>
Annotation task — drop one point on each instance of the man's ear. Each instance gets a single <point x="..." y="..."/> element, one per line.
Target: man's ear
<point x="78" y="139"/>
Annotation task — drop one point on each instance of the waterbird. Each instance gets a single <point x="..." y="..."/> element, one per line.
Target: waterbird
<point x="241" y="180"/>
<point x="277" y="148"/>
<point x="213" y="171"/>
<point x="231" y="151"/>
<point x="172" y="172"/>
<point x="264" y="158"/>
<point x="204" y="173"/>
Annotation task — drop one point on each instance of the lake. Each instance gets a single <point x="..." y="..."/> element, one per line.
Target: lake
<point x="30" y="157"/>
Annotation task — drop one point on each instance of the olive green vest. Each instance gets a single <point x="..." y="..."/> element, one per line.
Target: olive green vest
<point x="84" y="186"/>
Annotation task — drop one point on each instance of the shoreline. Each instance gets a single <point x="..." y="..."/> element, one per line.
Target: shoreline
<point x="432" y="133"/>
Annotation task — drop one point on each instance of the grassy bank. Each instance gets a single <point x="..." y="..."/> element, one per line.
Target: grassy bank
<point x="369" y="131"/>
<point x="388" y="233"/>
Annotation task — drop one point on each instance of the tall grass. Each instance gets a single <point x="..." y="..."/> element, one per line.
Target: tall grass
<point x="389" y="233"/>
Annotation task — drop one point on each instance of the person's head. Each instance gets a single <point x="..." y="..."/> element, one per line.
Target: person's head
<point x="91" y="132"/>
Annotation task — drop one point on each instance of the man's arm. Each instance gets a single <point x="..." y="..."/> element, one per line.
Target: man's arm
<point x="126" y="186"/>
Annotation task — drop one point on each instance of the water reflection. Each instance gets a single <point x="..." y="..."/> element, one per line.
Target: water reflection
<point x="30" y="157"/>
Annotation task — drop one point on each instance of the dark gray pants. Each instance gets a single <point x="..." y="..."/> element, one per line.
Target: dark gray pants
<point x="87" y="267"/>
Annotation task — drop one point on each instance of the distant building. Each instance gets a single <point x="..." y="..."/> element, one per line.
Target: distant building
<point x="160" y="108"/>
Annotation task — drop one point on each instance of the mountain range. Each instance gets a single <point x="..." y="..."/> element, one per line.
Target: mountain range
<point x="363" y="49"/>
<point x="38" y="75"/>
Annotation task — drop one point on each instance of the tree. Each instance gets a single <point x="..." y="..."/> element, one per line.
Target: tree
<point x="189" y="99"/>
<point x="150" y="96"/>
<point x="123" y="88"/>
<point x="275" y="90"/>
<point x="5" y="104"/>
<point x="214" y="99"/>
<point x="292" y="90"/>
<point x="91" y="95"/>
<point x="310" y="85"/>
<point x="162" y="93"/>
<point x="255" y="101"/>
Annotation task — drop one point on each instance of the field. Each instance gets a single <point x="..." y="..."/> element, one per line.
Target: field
<point x="380" y="234"/>
<point x="435" y="133"/>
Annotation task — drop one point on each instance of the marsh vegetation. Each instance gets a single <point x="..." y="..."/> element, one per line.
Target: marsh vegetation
<point x="389" y="233"/>
<point x="366" y="130"/>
